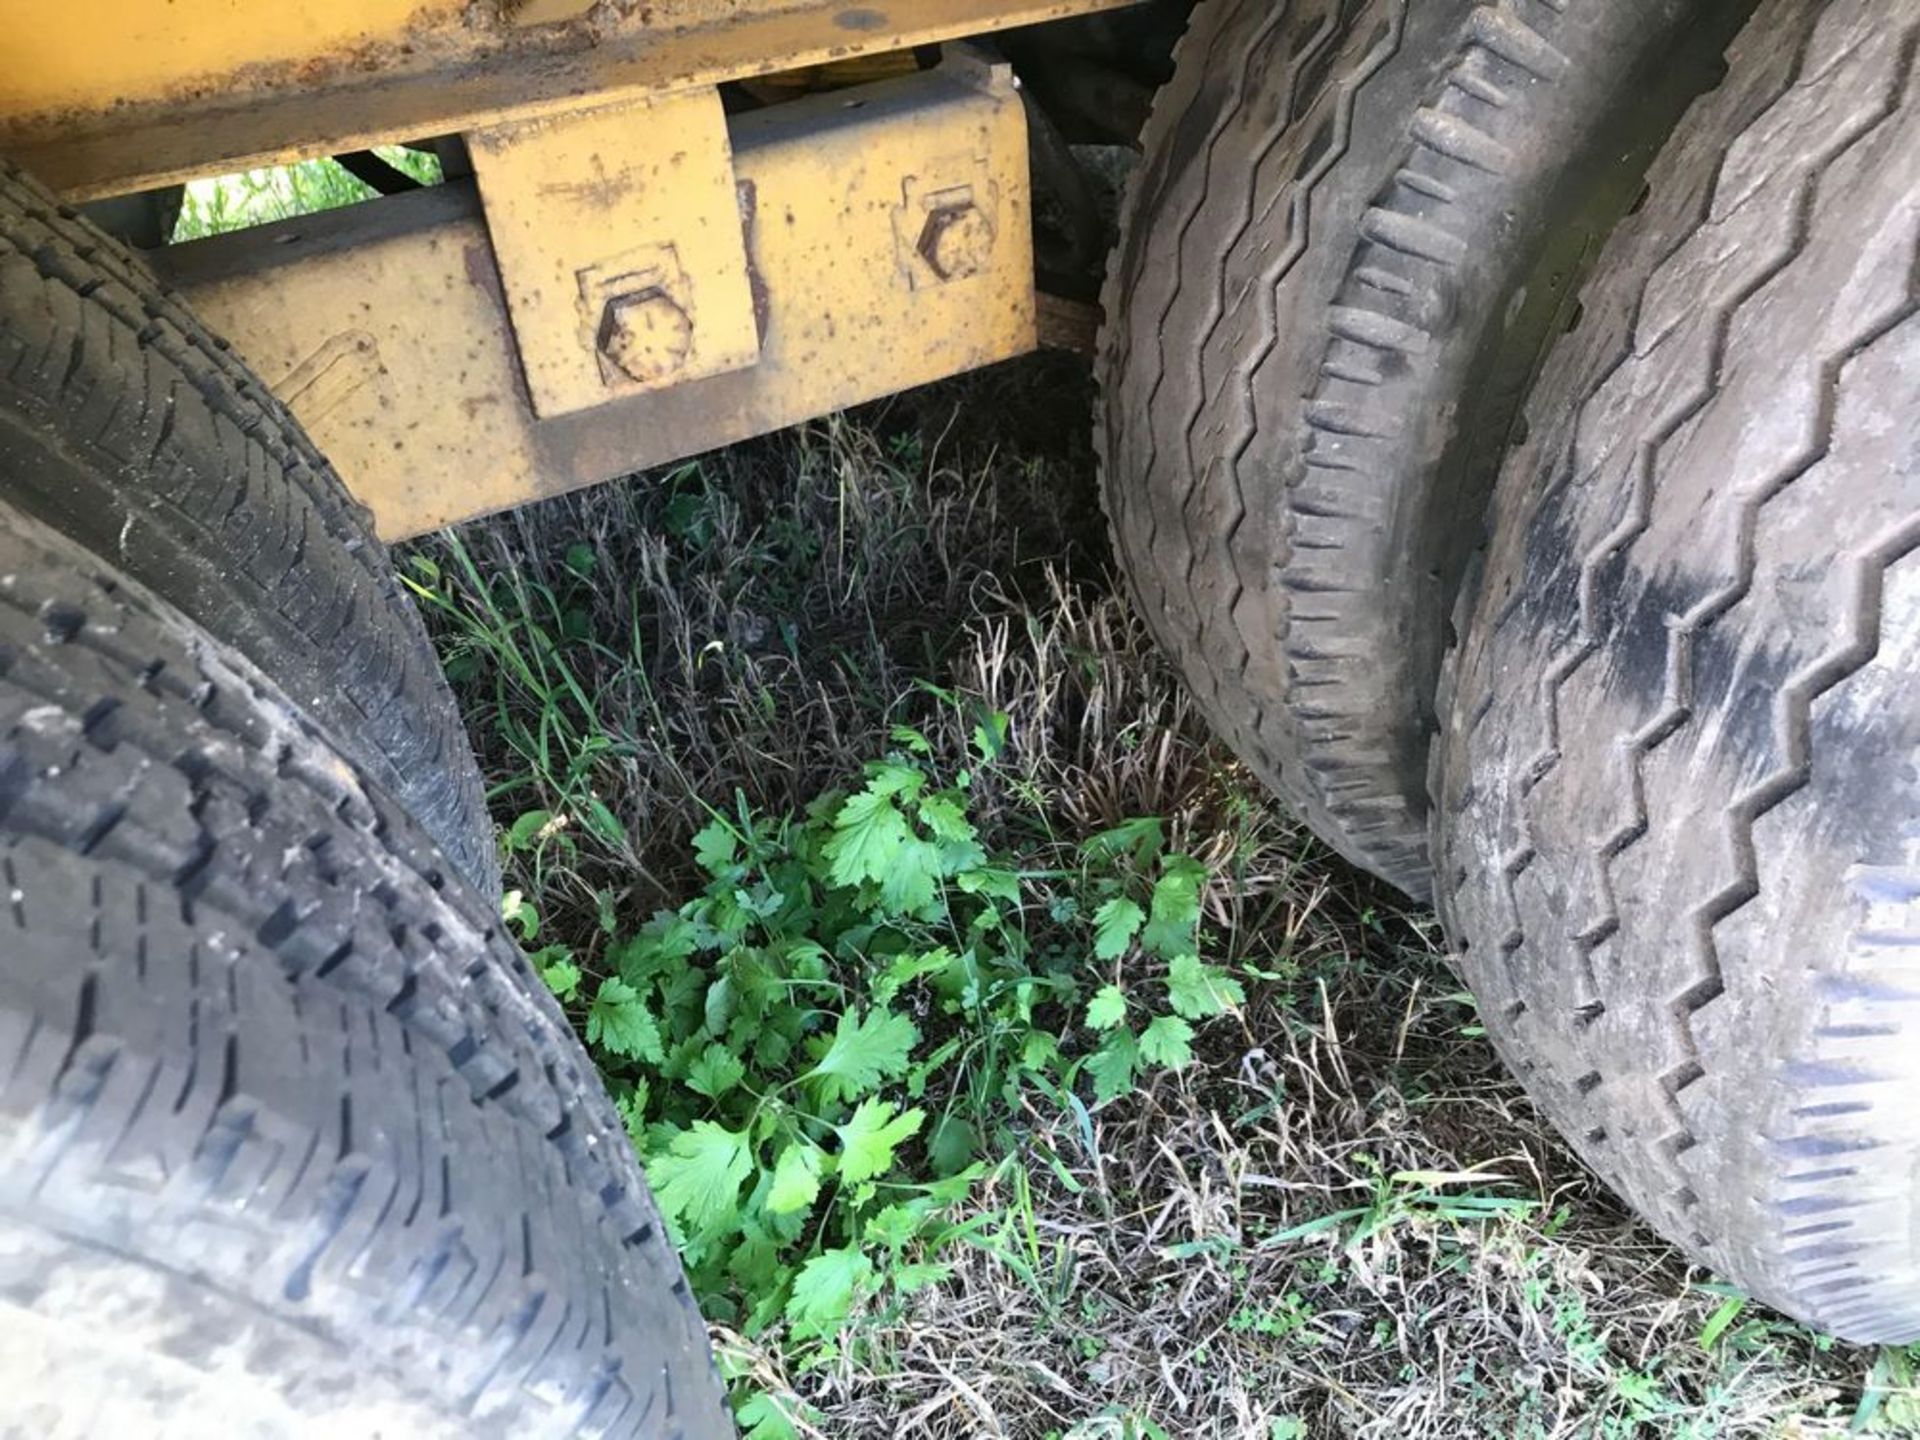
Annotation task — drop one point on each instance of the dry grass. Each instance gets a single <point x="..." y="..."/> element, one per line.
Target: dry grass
<point x="1345" y="1220"/>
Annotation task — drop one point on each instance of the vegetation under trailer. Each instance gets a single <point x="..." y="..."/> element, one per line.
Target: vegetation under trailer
<point x="1506" y="424"/>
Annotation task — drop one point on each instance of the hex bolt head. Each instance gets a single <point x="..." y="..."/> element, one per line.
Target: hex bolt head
<point x="645" y="335"/>
<point x="956" y="241"/>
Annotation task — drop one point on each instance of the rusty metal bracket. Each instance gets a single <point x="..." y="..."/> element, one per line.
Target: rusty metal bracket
<point x="387" y="325"/>
<point x="617" y="233"/>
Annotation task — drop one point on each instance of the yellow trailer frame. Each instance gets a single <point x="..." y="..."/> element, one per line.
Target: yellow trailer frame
<point x="631" y="275"/>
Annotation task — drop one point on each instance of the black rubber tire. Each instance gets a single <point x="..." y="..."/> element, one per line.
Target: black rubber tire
<point x="1354" y="230"/>
<point x="288" y="1128"/>
<point x="1680" y="785"/>
<point x="126" y="425"/>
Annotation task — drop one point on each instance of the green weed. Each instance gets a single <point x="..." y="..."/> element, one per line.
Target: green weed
<point x="975" y="1179"/>
<point x="825" y="1050"/>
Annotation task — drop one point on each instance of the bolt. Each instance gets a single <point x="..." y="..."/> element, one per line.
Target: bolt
<point x="956" y="241"/>
<point x="645" y="335"/>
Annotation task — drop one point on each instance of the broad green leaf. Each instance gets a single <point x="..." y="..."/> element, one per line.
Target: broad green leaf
<point x="1174" y="911"/>
<point x="1112" y="1066"/>
<point x="1197" y="991"/>
<point x="990" y="881"/>
<point x="1039" y="1051"/>
<point x="697" y="1177"/>
<point x="526" y="830"/>
<point x="1108" y="1007"/>
<point x="618" y="1022"/>
<point x="955" y="847"/>
<point x="893" y="1228"/>
<point x="716" y="1011"/>
<point x="826" y="1289"/>
<point x="1141" y="837"/>
<point x="796" y="1178"/>
<point x="662" y="943"/>
<point x="913" y="877"/>
<point x="952" y="1189"/>
<point x="871" y="841"/>
<point x="760" y="1417"/>
<point x="755" y="1264"/>
<point x="1167" y="1041"/>
<point x="556" y="967"/>
<point x="864" y="1051"/>
<point x="958" y="857"/>
<point x="953" y="1146"/>
<point x="683" y="998"/>
<point x="633" y="1112"/>
<point x="772" y="1047"/>
<point x="909" y="1278"/>
<point x="717" y="1071"/>
<point x="946" y="819"/>
<point x="911" y="738"/>
<point x="887" y="778"/>
<point x="869" y="1139"/>
<point x="990" y="736"/>
<point x="910" y="967"/>
<point x="714" y="847"/>
<point x="602" y="821"/>
<point x="1114" y="925"/>
<point x="1717" y="1323"/>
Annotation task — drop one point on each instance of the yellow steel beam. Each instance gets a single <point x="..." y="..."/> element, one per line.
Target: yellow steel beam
<point x="99" y="97"/>
<point x="81" y="55"/>
<point x="887" y="231"/>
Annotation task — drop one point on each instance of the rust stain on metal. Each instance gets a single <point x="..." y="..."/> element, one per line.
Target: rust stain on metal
<point x="957" y="240"/>
<point x="477" y="262"/>
<point x="645" y="335"/>
<point x="749" y="196"/>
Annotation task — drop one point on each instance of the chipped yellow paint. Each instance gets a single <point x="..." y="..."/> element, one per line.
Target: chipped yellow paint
<point x="100" y="97"/>
<point x="617" y="234"/>
<point x="385" y="327"/>
<point x="546" y="12"/>
<point x="83" y="54"/>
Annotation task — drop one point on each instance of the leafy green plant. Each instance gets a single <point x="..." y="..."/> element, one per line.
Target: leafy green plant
<point x="820" y="1053"/>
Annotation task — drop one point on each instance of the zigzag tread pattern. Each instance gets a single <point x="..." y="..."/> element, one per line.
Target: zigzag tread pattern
<point x="1851" y="80"/>
<point x="1865" y="1044"/>
<point x="1265" y="579"/>
<point x="1207" y="662"/>
<point x="1174" y="106"/>
<point x="1850" y="1247"/>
